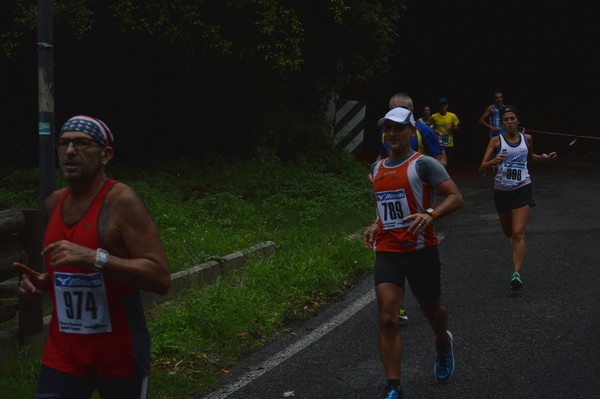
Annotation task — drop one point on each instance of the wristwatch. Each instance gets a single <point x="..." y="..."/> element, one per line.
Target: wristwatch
<point x="431" y="212"/>
<point x="101" y="259"/>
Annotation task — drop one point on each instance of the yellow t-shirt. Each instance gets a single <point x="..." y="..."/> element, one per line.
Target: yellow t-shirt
<point x="442" y="124"/>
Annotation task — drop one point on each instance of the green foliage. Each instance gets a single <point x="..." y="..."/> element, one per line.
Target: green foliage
<point x="281" y="35"/>
<point x="20" y="375"/>
<point x="20" y="188"/>
<point x="20" y="18"/>
<point x="253" y="30"/>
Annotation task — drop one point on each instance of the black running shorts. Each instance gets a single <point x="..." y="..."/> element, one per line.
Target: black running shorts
<point x="422" y="270"/>
<point x="506" y="201"/>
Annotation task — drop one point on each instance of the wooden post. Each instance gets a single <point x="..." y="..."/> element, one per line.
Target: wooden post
<point x="12" y="222"/>
<point x="31" y="309"/>
<point x="11" y="252"/>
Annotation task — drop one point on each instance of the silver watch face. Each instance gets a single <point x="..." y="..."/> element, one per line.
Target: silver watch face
<point x="103" y="256"/>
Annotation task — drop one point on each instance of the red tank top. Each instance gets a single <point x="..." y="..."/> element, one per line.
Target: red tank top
<point x="399" y="192"/>
<point x="98" y="324"/>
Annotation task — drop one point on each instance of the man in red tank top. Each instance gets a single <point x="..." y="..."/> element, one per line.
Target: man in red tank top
<point x="405" y="242"/>
<point x="101" y="247"/>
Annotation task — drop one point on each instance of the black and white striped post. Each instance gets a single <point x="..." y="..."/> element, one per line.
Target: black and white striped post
<point x="349" y="128"/>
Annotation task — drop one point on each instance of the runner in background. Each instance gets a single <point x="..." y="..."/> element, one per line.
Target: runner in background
<point x="508" y="154"/>
<point x="491" y="116"/>
<point x="426" y="113"/>
<point x="445" y="124"/>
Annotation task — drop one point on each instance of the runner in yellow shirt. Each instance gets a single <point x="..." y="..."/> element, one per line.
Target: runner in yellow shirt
<point x="445" y="124"/>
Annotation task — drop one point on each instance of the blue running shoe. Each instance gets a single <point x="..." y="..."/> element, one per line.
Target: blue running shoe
<point x="516" y="283"/>
<point x="393" y="394"/>
<point x="444" y="361"/>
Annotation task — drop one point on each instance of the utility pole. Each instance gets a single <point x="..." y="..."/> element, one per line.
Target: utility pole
<point x="45" y="50"/>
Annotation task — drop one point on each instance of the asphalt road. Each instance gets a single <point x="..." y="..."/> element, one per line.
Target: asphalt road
<point x="543" y="343"/>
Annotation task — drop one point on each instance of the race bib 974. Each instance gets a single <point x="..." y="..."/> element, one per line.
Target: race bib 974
<point x="81" y="303"/>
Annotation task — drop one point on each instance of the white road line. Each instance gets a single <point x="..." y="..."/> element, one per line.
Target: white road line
<point x="302" y="343"/>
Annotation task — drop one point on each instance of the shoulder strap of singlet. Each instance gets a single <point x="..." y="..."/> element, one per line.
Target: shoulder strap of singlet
<point x="101" y="193"/>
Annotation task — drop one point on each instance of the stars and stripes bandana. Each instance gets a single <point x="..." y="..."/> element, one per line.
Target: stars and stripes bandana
<point x="92" y="126"/>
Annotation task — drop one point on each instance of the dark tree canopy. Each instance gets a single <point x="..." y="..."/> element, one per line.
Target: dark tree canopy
<point x="175" y="77"/>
